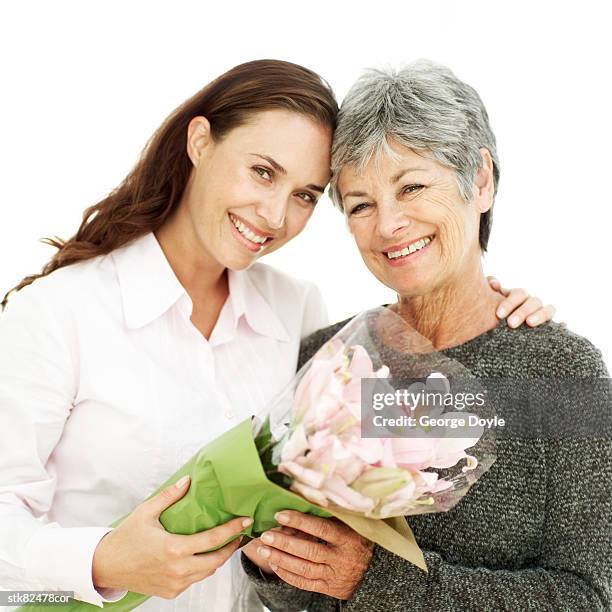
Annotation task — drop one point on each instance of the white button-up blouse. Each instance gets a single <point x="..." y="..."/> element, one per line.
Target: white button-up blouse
<point x="107" y="388"/>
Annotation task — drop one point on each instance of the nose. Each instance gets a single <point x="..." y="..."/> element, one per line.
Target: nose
<point x="273" y="211"/>
<point x="392" y="219"/>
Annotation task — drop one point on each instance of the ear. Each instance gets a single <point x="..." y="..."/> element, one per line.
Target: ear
<point x="483" y="183"/>
<point x="198" y="138"/>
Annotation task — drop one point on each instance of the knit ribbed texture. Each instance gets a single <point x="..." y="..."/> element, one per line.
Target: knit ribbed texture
<point x="534" y="533"/>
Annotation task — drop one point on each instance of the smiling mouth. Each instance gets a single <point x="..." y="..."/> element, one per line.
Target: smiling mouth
<point x="248" y="233"/>
<point x="409" y="249"/>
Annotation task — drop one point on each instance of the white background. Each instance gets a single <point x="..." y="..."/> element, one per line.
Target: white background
<point x="85" y="84"/>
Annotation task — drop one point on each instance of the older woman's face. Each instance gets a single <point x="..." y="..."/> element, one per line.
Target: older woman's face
<point x="413" y="229"/>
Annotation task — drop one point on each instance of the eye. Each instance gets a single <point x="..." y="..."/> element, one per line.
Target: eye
<point x="307" y="197"/>
<point x="263" y="172"/>
<point x="414" y="188"/>
<point x="359" y="208"/>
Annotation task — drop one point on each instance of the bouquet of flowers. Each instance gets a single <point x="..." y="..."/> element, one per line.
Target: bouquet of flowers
<point x="320" y="446"/>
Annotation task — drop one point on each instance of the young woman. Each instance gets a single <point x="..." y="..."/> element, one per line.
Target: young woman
<point x="151" y="332"/>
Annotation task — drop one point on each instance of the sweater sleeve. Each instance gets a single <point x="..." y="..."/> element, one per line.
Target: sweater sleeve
<point x="278" y="596"/>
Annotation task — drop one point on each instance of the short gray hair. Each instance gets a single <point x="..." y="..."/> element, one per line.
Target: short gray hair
<point x="424" y="107"/>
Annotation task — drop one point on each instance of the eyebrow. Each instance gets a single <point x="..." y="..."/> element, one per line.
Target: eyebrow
<point x="393" y="179"/>
<point x="398" y="176"/>
<point x="272" y="162"/>
<point x="281" y="170"/>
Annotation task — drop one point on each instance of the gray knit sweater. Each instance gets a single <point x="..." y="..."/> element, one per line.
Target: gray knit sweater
<point x="534" y="533"/>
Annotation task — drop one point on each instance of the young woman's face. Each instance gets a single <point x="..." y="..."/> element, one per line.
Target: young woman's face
<point x="256" y="188"/>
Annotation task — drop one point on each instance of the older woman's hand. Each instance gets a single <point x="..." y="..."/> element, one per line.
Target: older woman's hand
<point x="519" y="307"/>
<point x="332" y="560"/>
<point x="250" y="549"/>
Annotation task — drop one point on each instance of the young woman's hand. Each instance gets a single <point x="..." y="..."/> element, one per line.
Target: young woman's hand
<point x="140" y="555"/>
<point x="519" y="307"/>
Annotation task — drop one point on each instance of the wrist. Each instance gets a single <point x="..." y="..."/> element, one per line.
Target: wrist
<point x="100" y="570"/>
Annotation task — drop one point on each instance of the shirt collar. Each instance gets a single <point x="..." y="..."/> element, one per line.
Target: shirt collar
<point x="247" y="300"/>
<point x="149" y="288"/>
<point x="148" y="284"/>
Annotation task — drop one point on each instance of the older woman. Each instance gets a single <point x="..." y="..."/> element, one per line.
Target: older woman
<point x="416" y="172"/>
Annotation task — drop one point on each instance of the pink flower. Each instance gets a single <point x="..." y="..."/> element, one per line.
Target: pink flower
<point x="414" y="452"/>
<point x="398" y="503"/>
<point x="337" y="491"/>
<point x="296" y="445"/>
<point x="330" y="462"/>
<point x="370" y="450"/>
<point x="331" y="456"/>
<point x="338" y="420"/>
<point x="379" y="483"/>
<point x="438" y="452"/>
<point x="311" y="494"/>
<point x="309" y="477"/>
<point x="319" y="390"/>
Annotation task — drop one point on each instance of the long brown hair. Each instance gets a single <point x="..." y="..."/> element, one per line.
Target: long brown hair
<point x="150" y="193"/>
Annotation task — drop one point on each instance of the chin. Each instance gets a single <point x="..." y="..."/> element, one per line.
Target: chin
<point x="409" y="288"/>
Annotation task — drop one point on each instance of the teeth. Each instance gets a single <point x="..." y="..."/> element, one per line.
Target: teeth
<point x="415" y="246"/>
<point x="246" y="232"/>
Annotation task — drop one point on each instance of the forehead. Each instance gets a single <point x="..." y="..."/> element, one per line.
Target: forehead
<point x="300" y="144"/>
<point x="386" y="165"/>
<point x="282" y="132"/>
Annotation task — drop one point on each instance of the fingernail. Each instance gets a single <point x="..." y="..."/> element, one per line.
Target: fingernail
<point x="247" y="521"/>
<point x="513" y="321"/>
<point x="182" y="482"/>
<point x="267" y="537"/>
<point x="501" y="313"/>
<point x="533" y="320"/>
<point x="274" y="567"/>
<point x="282" y="517"/>
<point x="264" y="552"/>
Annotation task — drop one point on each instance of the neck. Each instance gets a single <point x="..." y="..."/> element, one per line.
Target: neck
<point x="199" y="273"/>
<point x="454" y="313"/>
